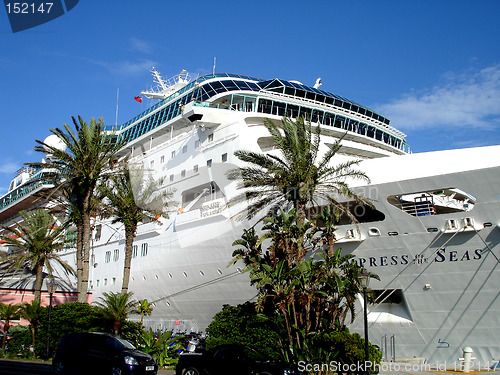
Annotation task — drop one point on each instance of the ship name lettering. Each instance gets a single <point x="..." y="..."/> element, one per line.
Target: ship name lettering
<point x="442" y="255"/>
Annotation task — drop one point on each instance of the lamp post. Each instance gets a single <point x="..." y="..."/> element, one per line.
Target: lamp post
<point x="51" y="288"/>
<point x="364" y="281"/>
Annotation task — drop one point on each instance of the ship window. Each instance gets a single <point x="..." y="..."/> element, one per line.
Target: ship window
<point x="183" y="173"/>
<point x="300" y="93"/>
<point x="305" y="112"/>
<point x="224" y="158"/>
<point x="113" y="281"/>
<point x="289" y="91"/>
<point x="184" y="149"/>
<point x="172" y="155"/>
<point x="162" y="159"/>
<point x="134" y="251"/>
<point x="230" y="86"/>
<point x="116" y="255"/>
<point x="171" y="178"/>
<point x="195" y="168"/>
<point x="211" y="137"/>
<point x="144" y="249"/>
<point x="209" y="163"/>
<point x="279" y="109"/>
<point x="292" y="110"/>
<point x="107" y="257"/>
<point x="105" y="282"/>
<point x="197" y="143"/>
<point x="217" y="86"/>
<point x="97" y="283"/>
<point x="265" y="106"/>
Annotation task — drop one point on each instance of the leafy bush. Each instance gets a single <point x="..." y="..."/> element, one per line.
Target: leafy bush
<point x="243" y="325"/>
<point x="66" y="318"/>
<point x="19" y="344"/>
<point x="162" y="346"/>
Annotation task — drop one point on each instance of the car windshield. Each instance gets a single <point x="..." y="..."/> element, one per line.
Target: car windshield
<point x="121" y="344"/>
<point x="254" y="354"/>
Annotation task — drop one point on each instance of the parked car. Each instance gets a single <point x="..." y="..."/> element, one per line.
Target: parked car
<point x="92" y="352"/>
<point x="230" y="360"/>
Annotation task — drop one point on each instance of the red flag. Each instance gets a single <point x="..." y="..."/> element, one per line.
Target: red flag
<point x="138" y="98"/>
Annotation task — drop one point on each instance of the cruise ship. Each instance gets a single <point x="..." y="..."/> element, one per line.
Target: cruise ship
<point x="432" y="237"/>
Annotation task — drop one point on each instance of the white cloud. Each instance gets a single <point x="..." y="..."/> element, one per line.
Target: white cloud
<point x="9" y="168"/>
<point x="126" y="68"/>
<point x="141" y="45"/>
<point x="470" y="99"/>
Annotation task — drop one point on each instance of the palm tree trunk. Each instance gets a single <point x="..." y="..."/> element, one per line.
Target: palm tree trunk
<point x="6" y="327"/>
<point x="79" y="257"/>
<point x="38" y="281"/>
<point x="84" y="283"/>
<point x="129" y="241"/>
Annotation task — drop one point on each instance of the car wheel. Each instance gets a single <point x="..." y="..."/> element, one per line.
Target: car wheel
<point x="190" y="371"/>
<point x="59" y="368"/>
<point x="116" y="371"/>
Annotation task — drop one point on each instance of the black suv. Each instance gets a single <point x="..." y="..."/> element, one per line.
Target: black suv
<point x="92" y="352"/>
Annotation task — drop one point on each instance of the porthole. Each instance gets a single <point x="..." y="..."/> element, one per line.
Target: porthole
<point x="373" y="232"/>
<point x="156" y="277"/>
<point x="432" y="230"/>
<point x="167" y="303"/>
<point x="144" y="277"/>
<point x="202" y="273"/>
<point x="219" y="271"/>
<point x="393" y="233"/>
<point x="185" y="274"/>
<point x="170" y="275"/>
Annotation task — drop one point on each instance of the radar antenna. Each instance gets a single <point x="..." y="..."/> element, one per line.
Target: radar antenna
<point x="166" y="87"/>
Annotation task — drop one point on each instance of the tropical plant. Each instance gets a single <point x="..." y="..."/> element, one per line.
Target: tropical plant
<point x="7" y="313"/>
<point x="33" y="314"/>
<point x="131" y="198"/>
<point x="117" y="306"/>
<point x="304" y="296"/>
<point x="89" y="157"/>
<point x="294" y="173"/>
<point x="144" y="308"/>
<point x="162" y="346"/>
<point x="35" y="243"/>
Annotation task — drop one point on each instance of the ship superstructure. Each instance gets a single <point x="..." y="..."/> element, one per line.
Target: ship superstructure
<point x="432" y="237"/>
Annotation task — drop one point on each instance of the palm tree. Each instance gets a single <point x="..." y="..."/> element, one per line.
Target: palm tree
<point x="35" y="243"/>
<point x="7" y="313"/>
<point x="296" y="174"/>
<point x="89" y="157"/>
<point x="144" y="308"/>
<point x="131" y="198"/>
<point x="118" y="306"/>
<point x="32" y="313"/>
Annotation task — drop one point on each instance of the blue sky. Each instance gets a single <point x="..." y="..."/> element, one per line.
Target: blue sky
<point x="431" y="66"/>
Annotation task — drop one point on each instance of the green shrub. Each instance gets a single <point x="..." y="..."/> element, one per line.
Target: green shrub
<point x="243" y="325"/>
<point x="66" y="318"/>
